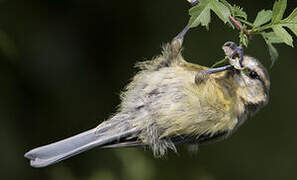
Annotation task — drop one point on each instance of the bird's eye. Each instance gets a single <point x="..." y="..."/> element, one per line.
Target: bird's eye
<point x="254" y="75"/>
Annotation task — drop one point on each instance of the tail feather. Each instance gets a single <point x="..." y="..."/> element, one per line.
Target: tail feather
<point x="58" y="151"/>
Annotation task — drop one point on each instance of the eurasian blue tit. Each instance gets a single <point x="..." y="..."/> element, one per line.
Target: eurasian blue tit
<point x="170" y="102"/>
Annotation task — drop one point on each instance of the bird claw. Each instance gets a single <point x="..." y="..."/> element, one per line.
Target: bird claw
<point x="193" y="2"/>
<point x="234" y="53"/>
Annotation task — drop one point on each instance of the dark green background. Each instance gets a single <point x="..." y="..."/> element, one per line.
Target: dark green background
<point x="66" y="61"/>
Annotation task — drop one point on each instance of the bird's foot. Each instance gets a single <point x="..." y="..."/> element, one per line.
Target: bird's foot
<point x="234" y="53"/>
<point x="193" y="2"/>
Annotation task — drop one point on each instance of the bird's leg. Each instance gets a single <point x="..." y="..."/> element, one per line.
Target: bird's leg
<point x="216" y="70"/>
<point x="181" y="35"/>
<point x="176" y="43"/>
<point x="203" y="75"/>
<point x="234" y="53"/>
<point x="193" y="2"/>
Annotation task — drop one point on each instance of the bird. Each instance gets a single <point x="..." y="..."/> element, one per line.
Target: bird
<point x="171" y="102"/>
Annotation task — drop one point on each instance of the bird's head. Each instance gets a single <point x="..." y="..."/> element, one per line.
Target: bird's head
<point x="252" y="83"/>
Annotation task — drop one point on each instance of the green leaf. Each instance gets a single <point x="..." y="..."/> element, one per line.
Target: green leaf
<point x="223" y="61"/>
<point x="283" y="35"/>
<point x="292" y="17"/>
<point x="279" y="8"/>
<point x="243" y="38"/>
<point x="271" y="37"/>
<point x="221" y="10"/>
<point x="293" y="28"/>
<point x="228" y="5"/>
<point x="263" y="17"/>
<point x="291" y="21"/>
<point x="272" y="50"/>
<point x="236" y="11"/>
<point x="200" y="14"/>
<point x="273" y="53"/>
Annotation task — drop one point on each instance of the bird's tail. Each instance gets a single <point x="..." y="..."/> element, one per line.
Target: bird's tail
<point x="58" y="151"/>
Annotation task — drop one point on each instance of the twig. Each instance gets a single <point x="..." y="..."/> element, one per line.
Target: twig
<point x="239" y="26"/>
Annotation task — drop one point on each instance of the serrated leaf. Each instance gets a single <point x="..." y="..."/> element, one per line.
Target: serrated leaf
<point x="293" y="28"/>
<point x="271" y="37"/>
<point x="291" y="21"/>
<point x="243" y="38"/>
<point x="236" y="11"/>
<point x="283" y="35"/>
<point x="263" y="17"/>
<point x="228" y="5"/>
<point x="221" y="10"/>
<point x="272" y="50"/>
<point x="200" y="14"/>
<point x="278" y="10"/>
<point x="292" y="17"/>
<point x="273" y="53"/>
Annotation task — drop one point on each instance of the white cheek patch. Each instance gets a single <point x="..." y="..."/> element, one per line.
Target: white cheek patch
<point x="242" y="79"/>
<point x="250" y="63"/>
<point x="251" y="89"/>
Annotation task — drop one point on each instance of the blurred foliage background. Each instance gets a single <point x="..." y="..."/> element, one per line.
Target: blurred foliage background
<point x="64" y="62"/>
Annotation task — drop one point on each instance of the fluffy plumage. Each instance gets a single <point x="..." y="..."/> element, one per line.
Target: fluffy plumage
<point x="169" y="102"/>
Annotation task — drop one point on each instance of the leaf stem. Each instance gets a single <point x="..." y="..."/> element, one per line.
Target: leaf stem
<point x="238" y="25"/>
<point x="263" y="28"/>
<point x="246" y="22"/>
<point x="219" y="62"/>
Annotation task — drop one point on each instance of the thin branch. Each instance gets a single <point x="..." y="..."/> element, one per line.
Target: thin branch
<point x="239" y="26"/>
<point x="246" y="22"/>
